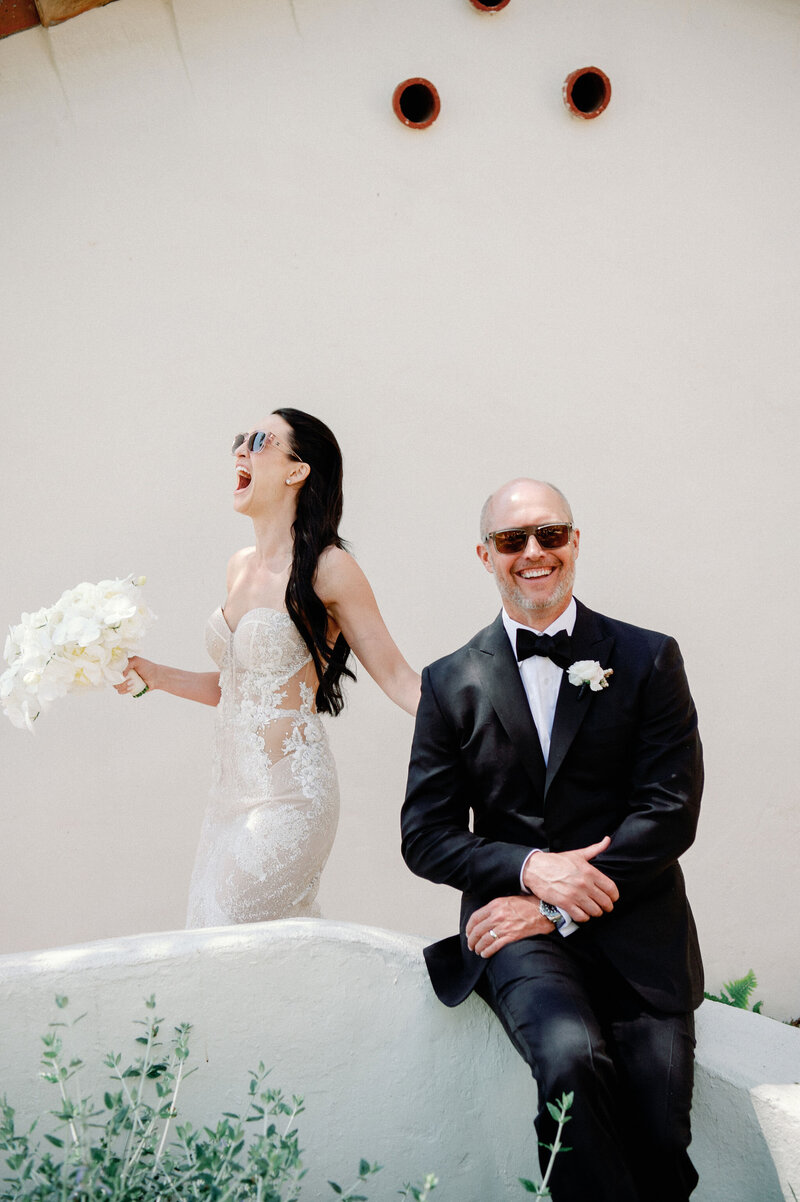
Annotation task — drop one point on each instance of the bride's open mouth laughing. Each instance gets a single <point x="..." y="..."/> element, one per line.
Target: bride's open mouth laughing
<point x="242" y="478"/>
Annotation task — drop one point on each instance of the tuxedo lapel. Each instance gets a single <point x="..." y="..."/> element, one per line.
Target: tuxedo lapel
<point x="506" y="693"/>
<point x="588" y="642"/>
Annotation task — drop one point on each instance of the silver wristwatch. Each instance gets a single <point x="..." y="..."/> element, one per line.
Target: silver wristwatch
<point x="553" y="914"/>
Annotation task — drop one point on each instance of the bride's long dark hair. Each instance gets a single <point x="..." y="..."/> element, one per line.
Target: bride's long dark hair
<point x="316" y="526"/>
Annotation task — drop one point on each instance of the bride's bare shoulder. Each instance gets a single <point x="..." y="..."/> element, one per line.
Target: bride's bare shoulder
<point x="336" y="570"/>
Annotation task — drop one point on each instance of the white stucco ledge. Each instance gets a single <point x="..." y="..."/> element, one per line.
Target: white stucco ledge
<point x="778" y="1110"/>
<point x="345" y="1016"/>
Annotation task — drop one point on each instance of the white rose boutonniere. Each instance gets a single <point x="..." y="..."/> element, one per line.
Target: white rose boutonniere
<point x="589" y="672"/>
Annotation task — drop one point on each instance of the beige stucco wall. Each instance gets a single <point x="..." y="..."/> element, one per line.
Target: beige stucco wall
<point x="210" y="209"/>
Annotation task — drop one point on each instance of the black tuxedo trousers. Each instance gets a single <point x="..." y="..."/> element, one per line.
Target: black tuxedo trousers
<point x="626" y="762"/>
<point x="583" y="1030"/>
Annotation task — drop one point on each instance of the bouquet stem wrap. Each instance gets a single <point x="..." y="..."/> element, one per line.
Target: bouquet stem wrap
<point x="139" y="687"/>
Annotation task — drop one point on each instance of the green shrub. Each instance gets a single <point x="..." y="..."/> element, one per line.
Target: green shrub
<point x="132" y="1148"/>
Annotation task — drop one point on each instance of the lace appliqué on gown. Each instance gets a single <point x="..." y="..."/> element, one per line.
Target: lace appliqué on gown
<point x="274" y="802"/>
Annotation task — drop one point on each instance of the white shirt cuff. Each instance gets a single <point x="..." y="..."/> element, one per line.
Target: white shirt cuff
<point x="524" y="888"/>
<point x="569" y="926"/>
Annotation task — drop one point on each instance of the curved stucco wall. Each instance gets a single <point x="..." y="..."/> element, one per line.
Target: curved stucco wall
<point x="345" y="1016"/>
<point x="778" y="1110"/>
<point x="342" y="1014"/>
<point x="210" y="208"/>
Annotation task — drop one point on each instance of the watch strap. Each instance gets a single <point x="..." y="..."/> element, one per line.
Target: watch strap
<point x="553" y="914"/>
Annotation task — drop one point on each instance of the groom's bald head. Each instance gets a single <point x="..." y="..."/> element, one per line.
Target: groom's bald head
<point x="515" y="488"/>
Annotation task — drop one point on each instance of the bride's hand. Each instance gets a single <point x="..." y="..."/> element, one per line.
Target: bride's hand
<point x="147" y="671"/>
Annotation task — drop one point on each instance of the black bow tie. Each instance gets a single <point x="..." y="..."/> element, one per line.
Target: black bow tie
<point x="552" y="646"/>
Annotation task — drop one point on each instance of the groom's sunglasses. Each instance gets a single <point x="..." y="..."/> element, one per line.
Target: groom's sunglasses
<point x="549" y="538"/>
<point x="260" y="439"/>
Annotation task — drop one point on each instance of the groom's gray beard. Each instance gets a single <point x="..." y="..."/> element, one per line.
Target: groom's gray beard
<point x="510" y="592"/>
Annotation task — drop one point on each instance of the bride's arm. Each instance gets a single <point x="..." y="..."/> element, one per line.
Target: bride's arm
<point x="194" y="686"/>
<point x="346" y="594"/>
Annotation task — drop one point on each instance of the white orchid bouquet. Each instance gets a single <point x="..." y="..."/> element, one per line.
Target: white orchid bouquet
<point x="81" y="642"/>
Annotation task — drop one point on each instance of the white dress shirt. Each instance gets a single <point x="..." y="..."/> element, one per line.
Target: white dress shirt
<point x="541" y="679"/>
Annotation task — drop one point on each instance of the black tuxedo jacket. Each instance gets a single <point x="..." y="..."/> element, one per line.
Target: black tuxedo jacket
<point x="625" y="761"/>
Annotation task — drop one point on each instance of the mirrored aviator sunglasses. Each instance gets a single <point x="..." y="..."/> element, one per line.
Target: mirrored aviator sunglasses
<point x="549" y="538"/>
<point x="260" y="439"/>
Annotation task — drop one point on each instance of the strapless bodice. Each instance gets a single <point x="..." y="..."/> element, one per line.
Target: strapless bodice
<point x="265" y="640"/>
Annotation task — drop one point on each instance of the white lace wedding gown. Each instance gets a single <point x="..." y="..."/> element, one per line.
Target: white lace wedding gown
<point x="274" y="803"/>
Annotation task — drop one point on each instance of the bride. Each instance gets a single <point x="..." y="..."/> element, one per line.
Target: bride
<point x="296" y="604"/>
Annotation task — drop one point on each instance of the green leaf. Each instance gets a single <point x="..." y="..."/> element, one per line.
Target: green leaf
<point x="739" y="991"/>
<point x="54" y="1140"/>
<point x="61" y="1001"/>
<point x="528" y="1185"/>
<point x="337" y="1189"/>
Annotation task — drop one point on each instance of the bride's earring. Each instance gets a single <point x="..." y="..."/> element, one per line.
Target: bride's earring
<point x="288" y="481"/>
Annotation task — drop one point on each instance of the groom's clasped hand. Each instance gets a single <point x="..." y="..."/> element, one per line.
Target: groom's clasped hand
<point x="568" y="879"/>
<point x="563" y="878"/>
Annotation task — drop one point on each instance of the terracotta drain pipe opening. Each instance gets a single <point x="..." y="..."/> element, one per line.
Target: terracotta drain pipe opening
<point x="587" y="92"/>
<point x="486" y="6"/>
<point x="416" y="103"/>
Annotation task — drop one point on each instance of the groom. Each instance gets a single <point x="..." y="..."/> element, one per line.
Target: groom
<point x="584" y="788"/>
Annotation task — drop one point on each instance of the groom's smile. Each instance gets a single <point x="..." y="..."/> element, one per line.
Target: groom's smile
<point x="536" y="588"/>
<point x="534" y="573"/>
